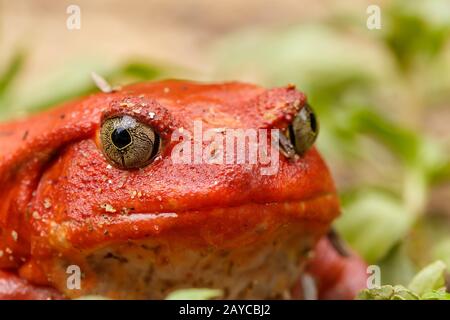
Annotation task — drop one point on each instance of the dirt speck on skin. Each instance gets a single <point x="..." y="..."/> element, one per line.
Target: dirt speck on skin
<point x="47" y="203"/>
<point x="14" y="235"/>
<point x="108" y="208"/>
<point x="36" y="215"/>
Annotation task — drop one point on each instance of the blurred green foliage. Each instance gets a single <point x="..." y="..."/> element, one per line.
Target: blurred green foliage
<point x="417" y="29"/>
<point x="428" y="284"/>
<point x="70" y="81"/>
<point x="12" y="70"/>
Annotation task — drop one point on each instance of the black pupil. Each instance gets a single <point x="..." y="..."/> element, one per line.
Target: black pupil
<point x="313" y="122"/>
<point x="121" y="137"/>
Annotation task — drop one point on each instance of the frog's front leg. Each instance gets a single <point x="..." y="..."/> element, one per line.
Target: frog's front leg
<point x="338" y="275"/>
<point x="13" y="287"/>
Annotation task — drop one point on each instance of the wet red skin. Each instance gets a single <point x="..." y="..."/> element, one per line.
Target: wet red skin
<point x="54" y="177"/>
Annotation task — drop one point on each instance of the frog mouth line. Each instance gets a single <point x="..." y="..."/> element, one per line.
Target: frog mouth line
<point x="150" y="216"/>
<point x="211" y="225"/>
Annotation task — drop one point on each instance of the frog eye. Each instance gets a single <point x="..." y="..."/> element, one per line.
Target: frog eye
<point x="303" y="131"/>
<point x="128" y="143"/>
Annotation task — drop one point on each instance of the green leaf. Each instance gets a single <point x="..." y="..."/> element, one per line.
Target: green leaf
<point x="397" y="267"/>
<point x="387" y="292"/>
<point x="417" y="29"/>
<point x="412" y="148"/>
<point x="428" y="284"/>
<point x="373" y="222"/>
<point x="441" y="249"/>
<point x="436" y="295"/>
<point x="11" y="72"/>
<point x="139" y="70"/>
<point x="195" y="294"/>
<point x="429" y="278"/>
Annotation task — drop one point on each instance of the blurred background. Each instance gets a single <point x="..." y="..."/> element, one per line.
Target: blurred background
<point x="382" y="95"/>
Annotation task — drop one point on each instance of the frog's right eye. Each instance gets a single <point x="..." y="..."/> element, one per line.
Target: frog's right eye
<point x="301" y="133"/>
<point x="128" y="143"/>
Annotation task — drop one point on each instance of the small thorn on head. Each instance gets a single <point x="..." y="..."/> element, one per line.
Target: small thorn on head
<point x="101" y="83"/>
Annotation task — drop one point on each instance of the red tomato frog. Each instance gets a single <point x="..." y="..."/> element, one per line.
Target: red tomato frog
<point x="160" y="186"/>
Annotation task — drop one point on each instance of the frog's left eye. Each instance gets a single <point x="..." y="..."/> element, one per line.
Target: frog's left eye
<point x="303" y="131"/>
<point x="128" y="143"/>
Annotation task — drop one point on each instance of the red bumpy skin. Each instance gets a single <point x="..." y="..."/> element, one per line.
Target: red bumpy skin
<point x="143" y="233"/>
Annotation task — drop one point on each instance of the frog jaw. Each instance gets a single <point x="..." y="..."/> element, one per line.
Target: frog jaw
<point x="149" y="255"/>
<point x="217" y="226"/>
